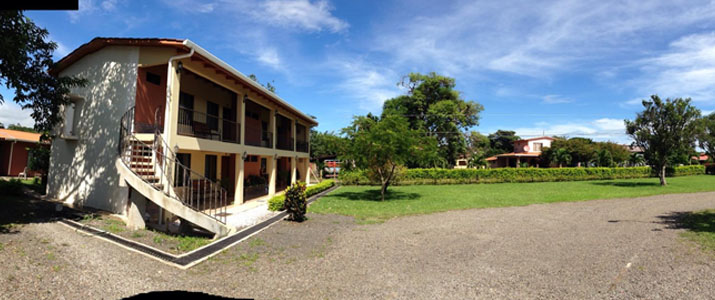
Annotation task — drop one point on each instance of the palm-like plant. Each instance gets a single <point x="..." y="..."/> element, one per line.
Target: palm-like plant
<point x="561" y="157"/>
<point x="636" y="159"/>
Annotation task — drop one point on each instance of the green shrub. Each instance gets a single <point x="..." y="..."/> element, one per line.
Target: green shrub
<point x="295" y="203"/>
<point x="457" y="176"/>
<point x="686" y="170"/>
<point x="315" y="189"/>
<point x="11" y="187"/>
<point x="277" y="203"/>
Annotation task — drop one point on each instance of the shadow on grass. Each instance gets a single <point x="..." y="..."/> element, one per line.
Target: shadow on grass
<point x="702" y="221"/>
<point x="626" y="183"/>
<point x="374" y="195"/>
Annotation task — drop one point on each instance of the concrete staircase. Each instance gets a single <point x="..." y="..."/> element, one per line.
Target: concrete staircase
<point x="149" y="169"/>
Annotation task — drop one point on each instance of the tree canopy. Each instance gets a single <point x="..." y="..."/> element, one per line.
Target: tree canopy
<point x="664" y="130"/>
<point x="502" y="141"/>
<point x="706" y="138"/>
<point x="25" y="59"/>
<point x="432" y="106"/>
<point x="383" y="145"/>
<point x="324" y="144"/>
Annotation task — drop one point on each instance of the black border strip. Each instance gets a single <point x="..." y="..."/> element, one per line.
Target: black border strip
<point x="187" y="259"/>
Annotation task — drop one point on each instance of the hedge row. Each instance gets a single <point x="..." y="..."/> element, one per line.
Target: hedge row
<point x="457" y="176"/>
<point x="276" y="203"/>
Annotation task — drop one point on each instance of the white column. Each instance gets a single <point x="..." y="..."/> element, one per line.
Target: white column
<point x="238" y="191"/>
<point x="272" y="165"/>
<point x="293" y="169"/>
<point x="307" y="171"/>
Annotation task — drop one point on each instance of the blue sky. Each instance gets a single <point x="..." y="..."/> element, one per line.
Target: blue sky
<point x="558" y="67"/>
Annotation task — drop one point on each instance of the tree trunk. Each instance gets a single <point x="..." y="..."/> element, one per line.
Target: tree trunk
<point x="662" y="176"/>
<point x="383" y="190"/>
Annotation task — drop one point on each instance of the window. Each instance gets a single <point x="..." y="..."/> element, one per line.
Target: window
<point x="212" y="115"/>
<point x="153" y="78"/>
<point x="537" y="147"/>
<point x="71" y="117"/>
<point x="210" y="167"/>
<point x="182" y="178"/>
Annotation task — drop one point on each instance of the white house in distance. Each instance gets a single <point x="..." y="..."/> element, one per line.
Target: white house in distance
<point x="166" y="130"/>
<point x="525" y="151"/>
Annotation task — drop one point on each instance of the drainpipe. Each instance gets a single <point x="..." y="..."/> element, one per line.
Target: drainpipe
<point x="169" y="123"/>
<point x="169" y="81"/>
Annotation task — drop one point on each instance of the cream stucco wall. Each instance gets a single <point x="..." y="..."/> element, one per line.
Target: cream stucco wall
<point x="83" y="172"/>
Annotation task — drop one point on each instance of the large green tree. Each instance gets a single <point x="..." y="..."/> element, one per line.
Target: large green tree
<point x="434" y="107"/>
<point x="706" y="138"/>
<point x="664" y="130"/>
<point x="25" y="58"/>
<point x="502" y="141"/>
<point x="382" y="146"/>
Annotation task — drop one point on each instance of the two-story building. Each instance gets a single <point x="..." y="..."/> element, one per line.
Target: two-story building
<point x="525" y="151"/>
<point x="166" y="130"/>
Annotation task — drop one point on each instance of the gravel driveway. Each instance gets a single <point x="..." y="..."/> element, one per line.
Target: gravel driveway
<point x="619" y="248"/>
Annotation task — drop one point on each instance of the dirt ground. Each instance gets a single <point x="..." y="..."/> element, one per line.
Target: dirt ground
<point x="619" y="248"/>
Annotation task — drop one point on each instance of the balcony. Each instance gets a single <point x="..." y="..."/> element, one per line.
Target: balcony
<point x="301" y="146"/>
<point x="204" y="126"/>
<point x="285" y="143"/>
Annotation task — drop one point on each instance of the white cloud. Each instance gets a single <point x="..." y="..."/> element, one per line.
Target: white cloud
<point x="686" y="69"/>
<point x="109" y="5"/>
<point x="90" y="7"/>
<point x="604" y="129"/>
<point x="192" y="6"/>
<point x="269" y="57"/>
<point x="303" y="14"/>
<point x="367" y="84"/>
<point x="533" y="40"/>
<point x="11" y="113"/>
<point x="706" y="112"/>
<point x="556" y="99"/>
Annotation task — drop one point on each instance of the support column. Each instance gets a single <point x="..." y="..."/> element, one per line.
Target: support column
<point x="293" y="169"/>
<point x="518" y="161"/>
<point x="242" y="120"/>
<point x="272" y="165"/>
<point x="171" y="117"/>
<point x="238" y="193"/>
<point x="307" y="171"/>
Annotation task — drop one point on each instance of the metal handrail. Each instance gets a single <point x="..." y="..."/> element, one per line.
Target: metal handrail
<point x="191" y="189"/>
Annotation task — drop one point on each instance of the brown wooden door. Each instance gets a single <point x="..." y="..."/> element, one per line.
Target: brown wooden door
<point x="228" y="173"/>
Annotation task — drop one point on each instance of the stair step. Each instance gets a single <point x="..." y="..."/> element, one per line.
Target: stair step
<point x="144" y="173"/>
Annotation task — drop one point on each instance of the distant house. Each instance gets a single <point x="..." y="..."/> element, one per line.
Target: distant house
<point x="702" y="158"/>
<point x="15" y="151"/>
<point x="525" y="151"/>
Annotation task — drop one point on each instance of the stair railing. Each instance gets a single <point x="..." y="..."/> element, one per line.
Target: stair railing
<point x="191" y="188"/>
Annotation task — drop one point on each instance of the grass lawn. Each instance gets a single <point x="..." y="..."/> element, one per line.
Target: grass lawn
<point x="363" y="202"/>
<point x="701" y="228"/>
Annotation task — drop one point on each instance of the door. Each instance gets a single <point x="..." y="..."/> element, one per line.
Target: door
<point x="228" y="173"/>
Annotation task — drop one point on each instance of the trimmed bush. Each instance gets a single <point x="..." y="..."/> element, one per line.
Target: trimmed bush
<point x="277" y="203"/>
<point x="295" y="202"/>
<point x="686" y="170"/>
<point x="461" y="176"/>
